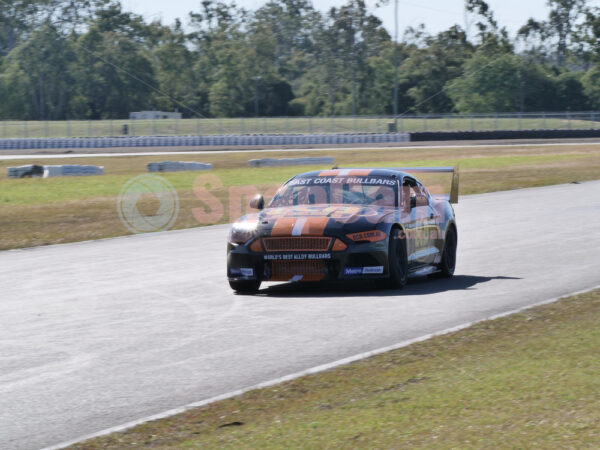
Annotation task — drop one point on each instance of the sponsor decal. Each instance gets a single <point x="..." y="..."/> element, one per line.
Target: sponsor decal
<point x="298" y="257"/>
<point x="354" y="271"/>
<point x="244" y="272"/>
<point x="376" y="270"/>
<point x="370" y="236"/>
<point x="363" y="180"/>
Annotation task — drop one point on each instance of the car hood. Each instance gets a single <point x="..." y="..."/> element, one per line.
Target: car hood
<point x="317" y="220"/>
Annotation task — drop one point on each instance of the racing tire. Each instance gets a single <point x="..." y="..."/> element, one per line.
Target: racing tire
<point x="245" y="287"/>
<point x="398" y="259"/>
<point x="448" y="264"/>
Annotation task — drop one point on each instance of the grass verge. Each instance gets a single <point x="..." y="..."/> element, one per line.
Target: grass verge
<point x="48" y="211"/>
<point x="524" y="381"/>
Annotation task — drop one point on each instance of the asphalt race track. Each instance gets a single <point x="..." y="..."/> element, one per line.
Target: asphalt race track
<point x="97" y="334"/>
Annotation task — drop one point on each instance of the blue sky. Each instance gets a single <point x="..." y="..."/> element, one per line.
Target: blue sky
<point x="438" y="15"/>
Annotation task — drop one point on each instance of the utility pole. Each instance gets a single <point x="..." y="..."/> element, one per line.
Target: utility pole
<point x="396" y="65"/>
<point x="256" y="80"/>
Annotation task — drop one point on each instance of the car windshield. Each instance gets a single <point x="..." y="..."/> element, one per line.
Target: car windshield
<point x="338" y="190"/>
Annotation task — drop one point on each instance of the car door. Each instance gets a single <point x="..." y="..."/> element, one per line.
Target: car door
<point x="431" y="230"/>
<point x="416" y="222"/>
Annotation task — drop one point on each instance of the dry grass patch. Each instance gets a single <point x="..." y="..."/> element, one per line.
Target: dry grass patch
<point x="48" y="211"/>
<point x="524" y="381"/>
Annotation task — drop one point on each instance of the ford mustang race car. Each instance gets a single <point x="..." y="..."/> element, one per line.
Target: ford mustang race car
<point x="345" y="224"/>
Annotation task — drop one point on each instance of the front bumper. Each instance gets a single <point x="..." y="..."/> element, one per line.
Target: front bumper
<point x="358" y="261"/>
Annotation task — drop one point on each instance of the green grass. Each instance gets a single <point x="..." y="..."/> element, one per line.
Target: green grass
<point x="525" y="381"/>
<point x="40" y="191"/>
<point x="48" y="211"/>
<point x="295" y="125"/>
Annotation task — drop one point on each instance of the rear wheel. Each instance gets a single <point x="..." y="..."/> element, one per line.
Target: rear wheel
<point x="398" y="259"/>
<point x="448" y="263"/>
<point x="245" y="287"/>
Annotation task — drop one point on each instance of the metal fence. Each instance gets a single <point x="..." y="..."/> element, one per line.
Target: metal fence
<point x="300" y="125"/>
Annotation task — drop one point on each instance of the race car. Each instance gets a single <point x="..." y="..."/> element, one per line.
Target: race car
<point x="346" y="224"/>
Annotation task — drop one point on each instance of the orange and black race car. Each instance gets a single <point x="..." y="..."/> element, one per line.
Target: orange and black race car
<point x="343" y="224"/>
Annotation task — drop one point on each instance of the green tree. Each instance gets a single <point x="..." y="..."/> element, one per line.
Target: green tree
<point x="173" y="64"/>
<point x="591" y="86"/>
<point x="489" y="84"/>
<point x="570" y="92"/>
<point x="16" y="19"/>
<point x="220" y="50"/>
<point x="114" y="74"/>
<point x="14" y="92"/>
<point x="428" y="69"/>
<point x="42" y="64"/>
<point x="559" y="29"/>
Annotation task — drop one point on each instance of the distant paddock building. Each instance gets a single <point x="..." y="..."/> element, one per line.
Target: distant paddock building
<point x="152" y="115"/>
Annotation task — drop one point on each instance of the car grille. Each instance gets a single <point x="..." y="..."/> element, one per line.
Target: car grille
<point x="297" y="244"/>
<point x="309" y="270"/>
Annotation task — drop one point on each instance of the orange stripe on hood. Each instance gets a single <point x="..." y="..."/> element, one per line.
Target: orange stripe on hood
<point x="315" y="226"/>
<point x="283" y="226"/>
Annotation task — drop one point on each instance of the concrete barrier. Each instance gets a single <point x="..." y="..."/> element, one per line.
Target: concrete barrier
<point x="177" y="166"/>
<point x="282" y="162"/>
<point x="502" y="135"/>
<point x="72" y="170"/>
<point x="27" y="171"/>
<point x="69" y="170"/>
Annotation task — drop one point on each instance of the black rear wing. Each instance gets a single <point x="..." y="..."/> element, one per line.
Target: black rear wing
<point x="453" y="170"/>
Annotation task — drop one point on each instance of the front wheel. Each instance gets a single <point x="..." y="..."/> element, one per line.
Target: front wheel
<point x="398" y="259"/>
<point x="448" y="263"/>
<point x="245" y="287"/>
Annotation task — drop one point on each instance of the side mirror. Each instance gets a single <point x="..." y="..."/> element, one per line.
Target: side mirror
<point x="257" y="202"/>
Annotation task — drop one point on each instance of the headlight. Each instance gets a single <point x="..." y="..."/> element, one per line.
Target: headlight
<point x="242" y="232"/>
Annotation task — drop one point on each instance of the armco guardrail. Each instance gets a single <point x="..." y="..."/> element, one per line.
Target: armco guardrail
<point x="201" y="141"/>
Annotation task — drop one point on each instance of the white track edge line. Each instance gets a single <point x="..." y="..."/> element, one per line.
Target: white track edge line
<point x="311" y="371"/>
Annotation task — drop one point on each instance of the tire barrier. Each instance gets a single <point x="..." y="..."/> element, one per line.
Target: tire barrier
<point x="502" y="135"/>
<point x="177" y="166"/>
<point x="201" y="141"/>
<point x="273" y="162"/>
<point x="281" y="140"/>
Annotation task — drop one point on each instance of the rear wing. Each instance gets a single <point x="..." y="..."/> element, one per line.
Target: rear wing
<point x="453" y="170"/>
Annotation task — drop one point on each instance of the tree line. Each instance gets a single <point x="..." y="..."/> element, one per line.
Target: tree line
<point x="91" y="59"/>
